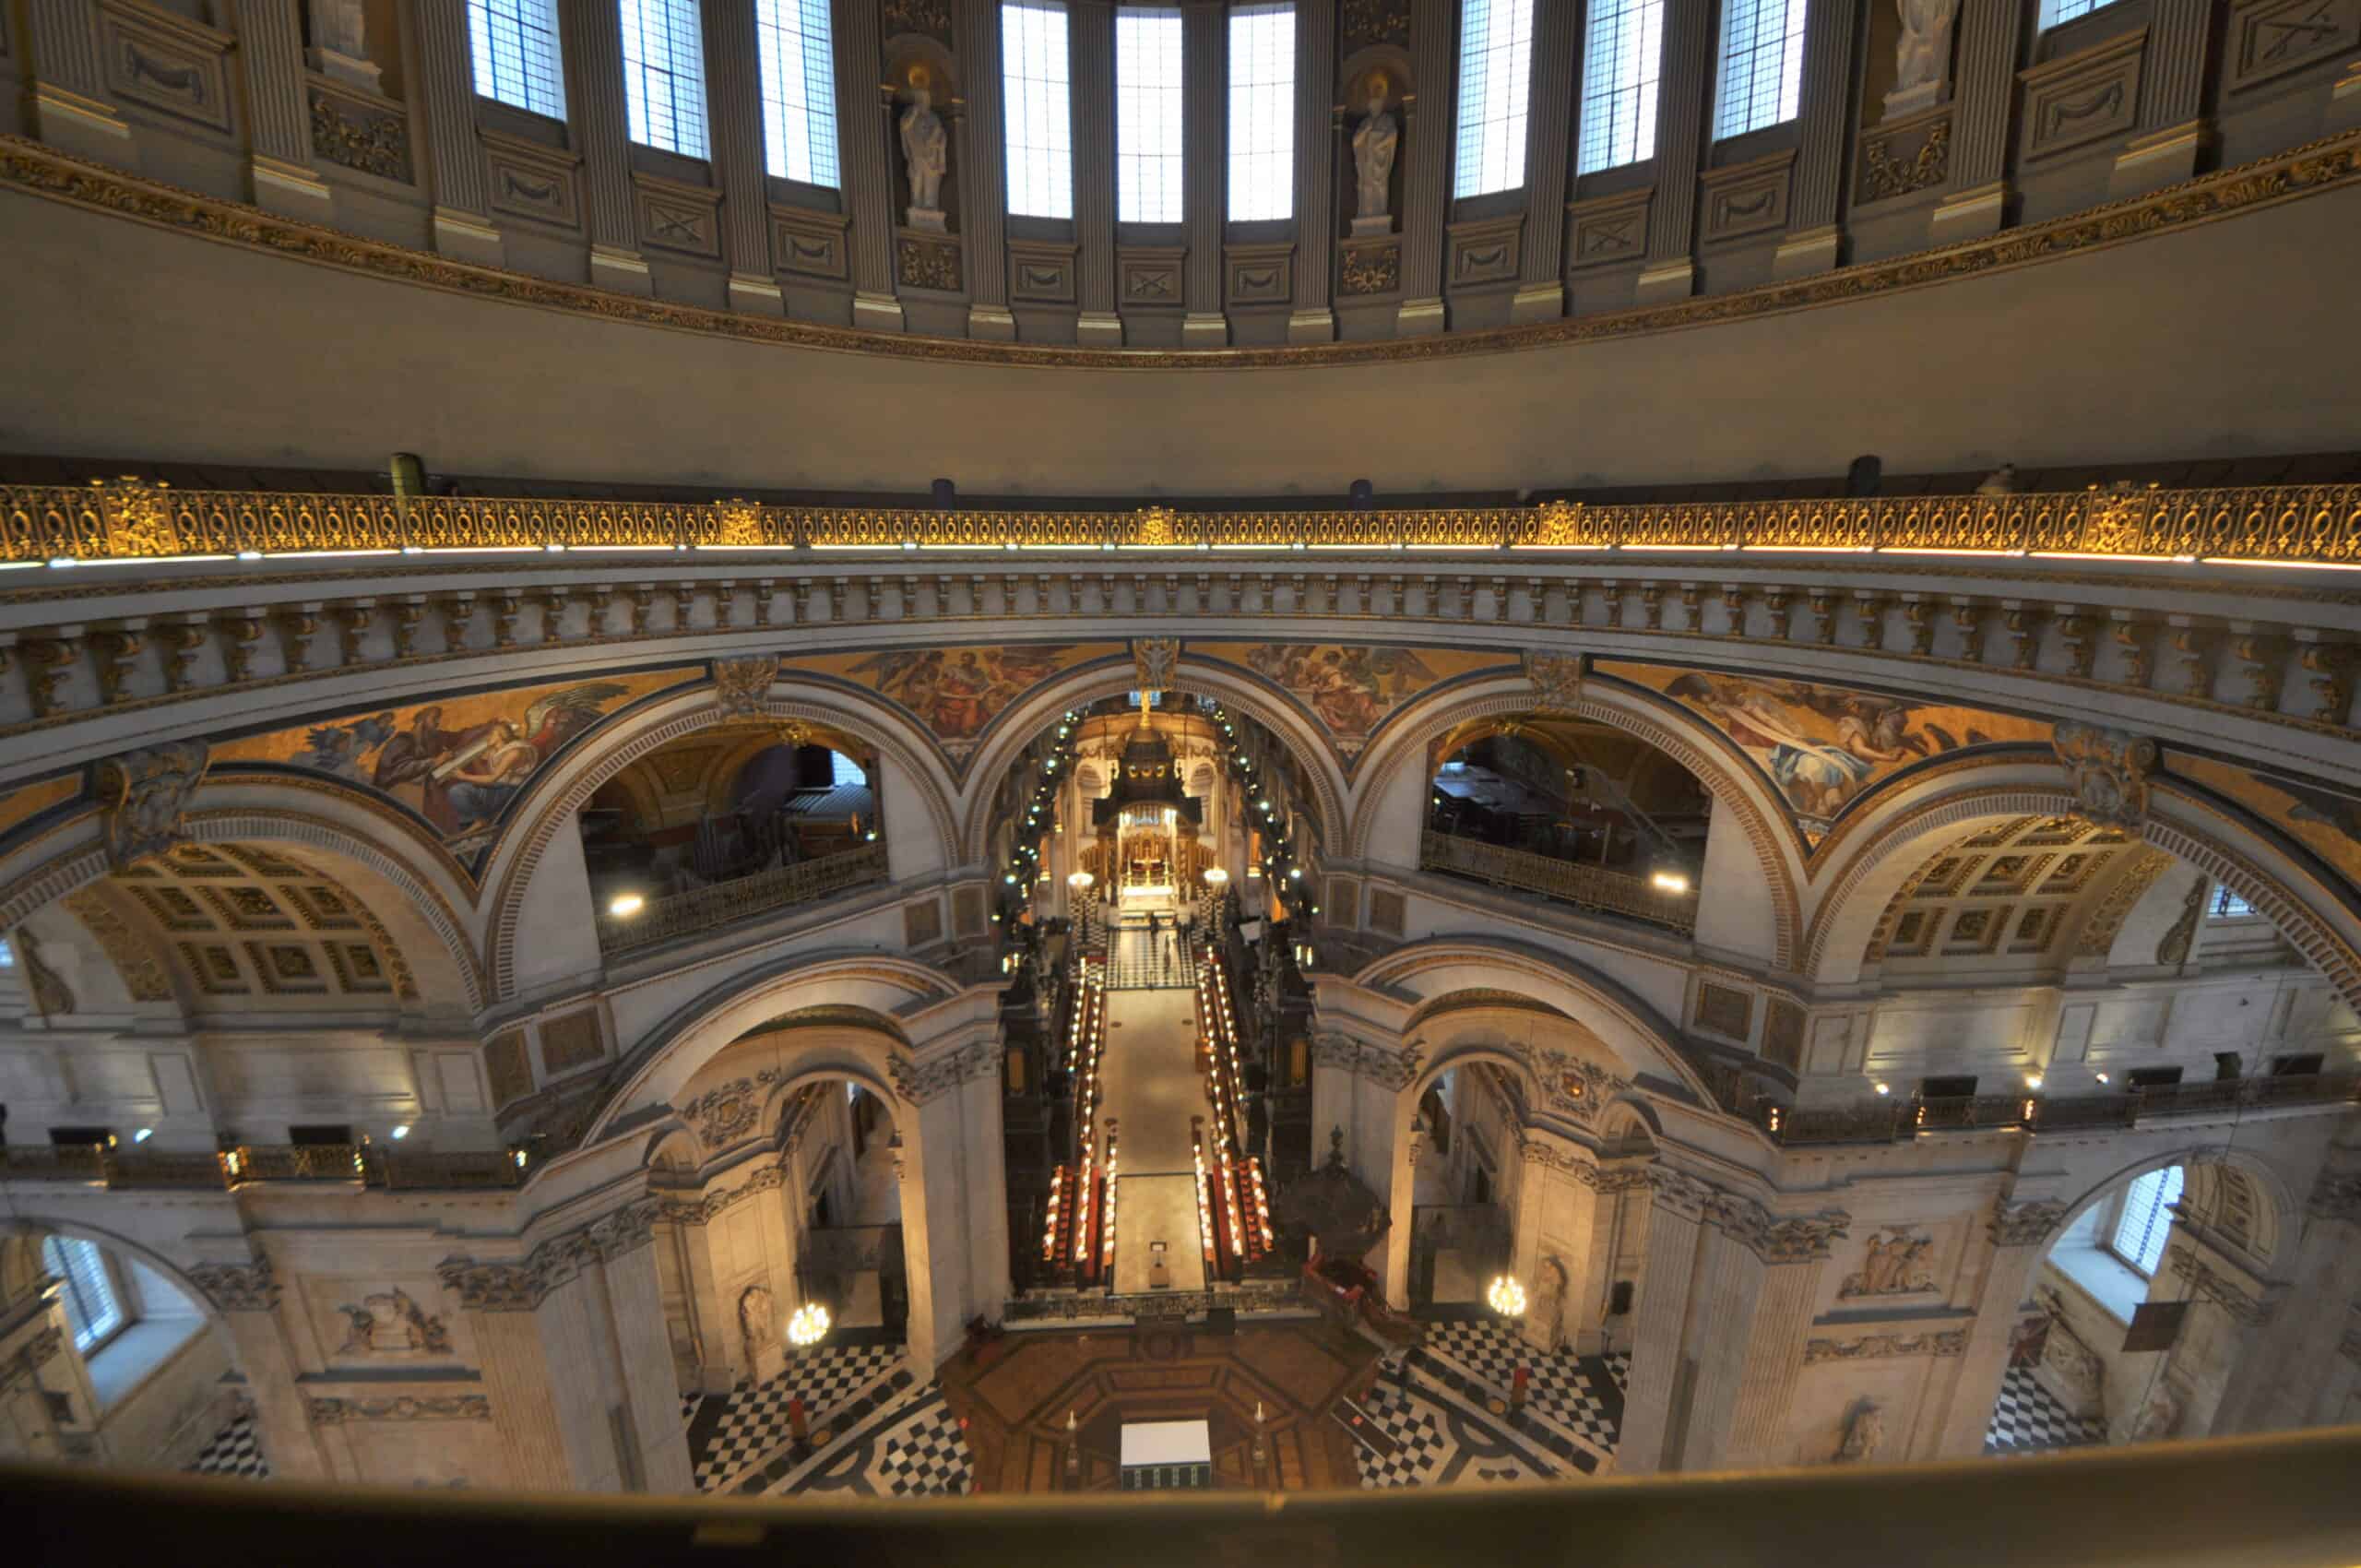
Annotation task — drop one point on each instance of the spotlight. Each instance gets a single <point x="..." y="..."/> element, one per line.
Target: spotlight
<point x="622" y="906"/>
<point x="142" y="1136"/>
<point x="2103" y="1077"/>
<point x="401" y="1131"/>
<point x="2032" y="1080"/>
<point x="1883" y="1088"/>
<point x="1669" y="881"/>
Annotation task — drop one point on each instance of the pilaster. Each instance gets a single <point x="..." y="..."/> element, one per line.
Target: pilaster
<point x="734" y="99"/>
<point x="1723" y="1296"/>
<point x="865" y="121"/>
<point x="1670" y="273"/>
<point x="1557" y="49"/>
<point x="2020" y="1234"/>
<point x="1314" y="320"/>
<point x="1203" y="105"/>
<point x="1813" y="242"/>
<point x="1658" y="1371"/>
<point x="984" y="188"/>
<point x="1990" y="39"/>
<point x="2172" y="132"/>
<point x="279" y="164"/>
<point x="1756" y="1432"/>
<point x="1093" y="41"/>
<point x="2284" y="1385"/>
<point x="248" y="1298"/>
<point x="70" y="111"/>
<point x="1426" y="188"/>
<point x="456" y="175"/>
<point x="519" y="1380"/>
<point x="594" y="76"/>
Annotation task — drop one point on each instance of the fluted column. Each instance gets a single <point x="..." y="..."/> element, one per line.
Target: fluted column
<point x="2019" y="1237"/>
<point x="1660" y="1314"/>
<point x="2172" y="130"/>
<point x="627" y="1283"/>
<point x="279" y="163"/>
<point x="1722" y="1298"/>
<point x="983" y="136"/>
<point x="1770" y="1367"/>
<point x="1670" y="273"/>
<point x="593" y="75"/>
<point x="1814" y="240"/>
<point x="1982" y="103"/>
<point x="1314" y="320"/>
<point x="1205" y="57"/>
<point x="1557" y="49"/>
<point x="1093" y="39"/>
<point x="460" y="188"/>
<point x="734" y="106"/>
<point x="71" y="108"/>
<point x="1426" y="186"/>
<point x="863" y="126"/>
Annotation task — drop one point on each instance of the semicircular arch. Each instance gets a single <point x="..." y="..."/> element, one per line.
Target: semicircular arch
<point x="2277" y="1222"/>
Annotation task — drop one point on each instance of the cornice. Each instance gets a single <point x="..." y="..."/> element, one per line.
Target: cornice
<point x="29" y="167"/>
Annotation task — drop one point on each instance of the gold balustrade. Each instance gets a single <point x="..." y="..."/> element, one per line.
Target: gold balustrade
<point x="1594" y="887"/>
<point x="130" y="520"/>
<point x="744" y="897"/>
<point x="368" y="1165"/>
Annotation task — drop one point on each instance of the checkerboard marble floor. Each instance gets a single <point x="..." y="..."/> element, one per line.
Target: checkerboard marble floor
<point x="235" y="1451"/>
<point x="916" y="1448"/>
<point x="2028" y="1418"/>
<point x="730" y="1432"/>
<point x="1561" y="1386"/>
<point x="1438" y="1443"/>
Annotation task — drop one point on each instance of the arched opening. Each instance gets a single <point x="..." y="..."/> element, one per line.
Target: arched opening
<point x="2143" y="1304"/>
<point x="727" y="822"/>
<point x="1570" y="808"/>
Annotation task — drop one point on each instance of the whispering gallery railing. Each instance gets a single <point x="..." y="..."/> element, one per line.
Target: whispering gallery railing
<point x="129" y="519"/>
<point x="1888" y="1121"/>
<point x="1594" y="887"/>
<point x="724" y="903"/>
<point x="366" y="1165"/>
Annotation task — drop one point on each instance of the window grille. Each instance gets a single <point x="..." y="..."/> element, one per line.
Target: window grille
<point x="1037" y="86"/>
<point x="1619" y="65"/>
<point x="1262" y="112"/>
<point x="1495" y="74"/>
<point x="1763" y="65"/>
<point x="1147" y="115"/>
<point x="664" y="75"/>
<point x="799" y="90"/>
<point x="93" y="1309"/>
<point x="2147" y="1217"/>
<point x="2228" y="904"/>
<point x="514" y="47"/>
<point x="2056" y="11"/>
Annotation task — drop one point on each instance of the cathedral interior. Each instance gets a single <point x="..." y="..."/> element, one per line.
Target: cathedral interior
<point x="1576" y="775"/>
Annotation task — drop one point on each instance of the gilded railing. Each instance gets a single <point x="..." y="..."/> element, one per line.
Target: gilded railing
<point x="1888" y="1121"/>
<point x="1592" y="886"/>
<point x="367" y="1165"/>
<point x="724" y="903"/>
<point x="128" y="520"/>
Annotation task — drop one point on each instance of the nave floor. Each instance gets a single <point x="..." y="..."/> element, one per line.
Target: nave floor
<point x="2029" y="1419"/>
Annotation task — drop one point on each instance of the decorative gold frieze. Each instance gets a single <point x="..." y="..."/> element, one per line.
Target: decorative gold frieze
<point x="1902" y="156"/>
<point x="923" y="261"/>
<point x="1371" y="267"/>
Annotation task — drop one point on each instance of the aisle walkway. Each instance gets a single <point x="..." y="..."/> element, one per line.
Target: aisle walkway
<point x="1152" y="1091"/>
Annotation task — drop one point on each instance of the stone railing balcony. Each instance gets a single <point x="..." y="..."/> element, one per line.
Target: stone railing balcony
<point x="740" y="898"/>
<point x="1890" y="1121"/>
<point x="1592" y="887"/>
<point x="363" y="1165"/>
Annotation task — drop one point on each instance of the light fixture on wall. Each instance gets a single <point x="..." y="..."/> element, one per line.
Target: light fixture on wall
<point x="143" y="1135"/>
<point x="401" y="1131"/>
<point x="2104" y="1077"/>
<point x="622" y="906"/>
<point x="1669" y="881"/>
<point x="1883" y="1086"/>
<point x="2032" y="1080"/>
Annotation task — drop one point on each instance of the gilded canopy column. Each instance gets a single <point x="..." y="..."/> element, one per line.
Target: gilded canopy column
<point x="1541" y="281"/>
<point x="2172" y="130"/>
<point x="984" y="138"/>
<point x="1314" y="320"/>
<point x="734" y="89"/>
<point x="460" y="187"/>
<point x="1426" y="189"/>
<point x="278" y="162"/>
<point x="70" y="96"/>
<point x="594" y="76"/>
<point x="1990" y="43"/>
<point x="1676" y="1215"/>
<point x="1093" y="48"/>
<point x="1203" y="55"/>
<point x="1670" y="272"/>
<point x="1814" y="240"/>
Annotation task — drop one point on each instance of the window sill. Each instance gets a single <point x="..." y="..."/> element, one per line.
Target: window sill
<point x="132" y="1356"/>
<point x="2106" y="1278"/>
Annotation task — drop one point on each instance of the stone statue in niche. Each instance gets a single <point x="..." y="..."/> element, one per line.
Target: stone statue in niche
<point x="1545" y="1319"/>
<point x="926" y="150"/>
<point x="1896" y="1263"/>
<point x="1921" y="55"/>
<point x="2158" y="1418"/>
<point x="1375" y="145"/>
<point x="757" y="1322"/>
<point x="390" y="1323"/>
<point x="1864" y="1434"/>
<point x="340" y="32"/>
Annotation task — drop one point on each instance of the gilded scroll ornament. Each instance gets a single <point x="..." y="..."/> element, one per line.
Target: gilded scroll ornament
<point x="138" y="521"/>
<point x="1557" y="679"/>
<point x="2110" y="769"/>
<point x="144" y="796"/>
<point x="740" y="684"/>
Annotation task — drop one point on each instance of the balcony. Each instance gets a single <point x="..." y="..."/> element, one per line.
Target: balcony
<point x="364" y="1165"/>
<point x="1590" y="887"/>
<point x="703" y="910"/>
<point x="1890" y="1121"/>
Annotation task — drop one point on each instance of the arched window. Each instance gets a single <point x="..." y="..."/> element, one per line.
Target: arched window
<point x="799" y="90"/>
<point x="2146" y="1216"/>
<point x="93" y="1304"/>
<point x="664" y="75"/>
<point x="1262" y="112"/>
<point x="1035" y="81"/>
<point x="1620" y="66"/>
<point x="1763" y="65"/>
<point x="1147" y="115"/>
<point x="515" y="50"/>
<point x="2056" y="11"/>
<point x="1495" y="75"/>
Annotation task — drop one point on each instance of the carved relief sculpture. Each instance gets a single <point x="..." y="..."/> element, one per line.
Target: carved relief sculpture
<point x="1921" y="56"/>
<point x="390" y="1323"/>
<point x="2110" y="770"/>
<point x="926" y="150"/>
<point x="145" y="795"/>
<point x="1557" y="679"/>
<point x="739" y="685"/>
<point x="1896" y="1263"/>
<point x="1375" y="145"/>
<point x="1154" y="659"/>
<point x="757" y="1322"/>
<point x="1864" y="1434"/>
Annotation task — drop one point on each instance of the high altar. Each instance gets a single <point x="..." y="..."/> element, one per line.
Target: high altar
<point x="1147" y="827"/>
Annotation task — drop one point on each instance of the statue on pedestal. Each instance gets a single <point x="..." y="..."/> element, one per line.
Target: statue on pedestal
<point x="340" y="43"/>
<point x="926" y="149"/>
<point x="1921" y="55"/>
<point x="1373" y="147"/>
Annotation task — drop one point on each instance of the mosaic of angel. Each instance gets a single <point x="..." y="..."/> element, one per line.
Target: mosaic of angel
<point x="957" y="691"/>
<point x="1349" y="688"/>
<point x="1820" y="743"/>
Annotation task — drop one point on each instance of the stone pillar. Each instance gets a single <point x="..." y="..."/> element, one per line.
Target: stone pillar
<point x="1426" y="186"/>
<point x="1755" y="1433"/>
<point x="1814" y="241"/>
<point x="279" y="165"/>
<point x="1723" y="1295"/>
<point x="1659" y="1314"/>
<point x="1093" y="41"/>
<point x="985" y="1173"/>
<point x="2020" y="1234"/>
<point x="1204" y="106"/>
<point x="2172" y="132"/>
<point x="1990" y="41"/>
<point x="984" y="137"/>
<point x="1314" y="320"/>
<point x="520" y="1379"/>
<point x="457" y="179"/>
<point x="1557" y="48"/>
<point x="734" y="106"/>
<point x="593" y="40"/>
<point x="248" y="1297"/>
<point x="71" y="108"/>
<point x="625" y="1281"/>
<point x="1682" y="99"/>
<point x="2284" y="1386"/>
<point x="863" y="126"/>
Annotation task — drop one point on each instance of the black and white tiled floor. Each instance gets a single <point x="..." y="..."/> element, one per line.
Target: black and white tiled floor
<point x="1438" y="1429"/>
<point x="235" y="1451"/>
<point x="730" y="1432"/>
<point x="916" y="1448"/>
<point x="2029" y="1419"/>
<point x="1561" y="1386"/>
